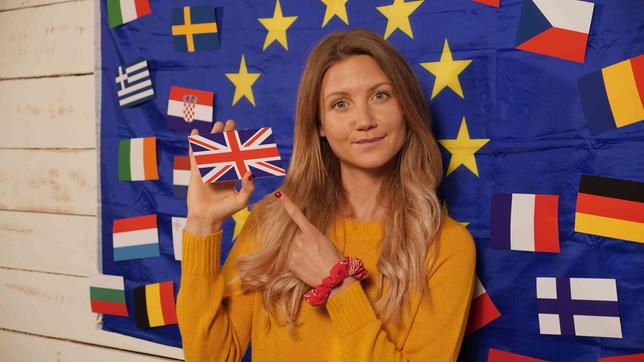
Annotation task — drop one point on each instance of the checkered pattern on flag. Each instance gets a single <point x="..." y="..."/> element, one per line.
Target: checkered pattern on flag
<point x="229" y="155"/>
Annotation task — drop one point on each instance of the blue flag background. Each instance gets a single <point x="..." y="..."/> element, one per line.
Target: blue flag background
<point x="526" y="104"/>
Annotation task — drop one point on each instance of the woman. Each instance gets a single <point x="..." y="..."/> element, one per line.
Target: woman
<point x="362" y="184"/>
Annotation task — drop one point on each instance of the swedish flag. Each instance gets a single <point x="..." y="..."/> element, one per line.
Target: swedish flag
<point x="194" y="28"/>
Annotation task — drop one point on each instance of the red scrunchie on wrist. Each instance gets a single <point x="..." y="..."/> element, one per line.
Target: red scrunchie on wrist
<point x="346" y="267"/>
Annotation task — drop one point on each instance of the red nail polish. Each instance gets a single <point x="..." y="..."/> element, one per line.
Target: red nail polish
<point x="277" y="194"/>
<point x="250" y="178"/>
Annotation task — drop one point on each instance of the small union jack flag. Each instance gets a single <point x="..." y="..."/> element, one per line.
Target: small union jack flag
<point x="229" y="155"/>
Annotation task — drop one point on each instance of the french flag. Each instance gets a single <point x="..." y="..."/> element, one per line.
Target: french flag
<point x="180" y="176"/>
<point x="526" y="222"/>
<point x="557" y="28"/>
<point x="482" y="311"/>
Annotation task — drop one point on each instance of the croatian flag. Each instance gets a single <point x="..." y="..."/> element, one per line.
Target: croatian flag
<point x="189" y="109"/>
<point x="180" y="176"/>
<point x="558" y="28"/>
<point x="135" y="238"/>
<point x="229" y="155"/>
<point x="482" y="311"/>
<point x="578" y="307"/>
<point x="526" y="222"/>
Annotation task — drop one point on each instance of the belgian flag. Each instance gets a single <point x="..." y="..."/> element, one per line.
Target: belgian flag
<point x="154" y="305"/>
<point x="610" y="207"/>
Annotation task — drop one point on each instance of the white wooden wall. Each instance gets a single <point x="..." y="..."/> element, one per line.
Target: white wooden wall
<point x="48" y="188"/>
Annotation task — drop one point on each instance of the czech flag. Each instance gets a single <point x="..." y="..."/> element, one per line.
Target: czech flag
<point x="482" y="311"/>
<point x="558" y="28"/>
<point x="613" y="97"/>
<point x="497" y="355"/>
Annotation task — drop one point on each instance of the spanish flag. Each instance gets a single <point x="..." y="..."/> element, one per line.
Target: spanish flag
<point x="154" y="305"/>
<point x="610" y="207"/>
<point x="613" y="97"/>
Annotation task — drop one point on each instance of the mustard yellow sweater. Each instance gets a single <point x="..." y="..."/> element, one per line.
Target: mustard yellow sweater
<point x="217" y="320"/>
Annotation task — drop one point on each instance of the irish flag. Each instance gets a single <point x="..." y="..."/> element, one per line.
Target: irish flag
<point x="107" y="294"/>
<point x="120" y="12"/>
<point x="135" y="237"/>
<point x="138" y="159"/>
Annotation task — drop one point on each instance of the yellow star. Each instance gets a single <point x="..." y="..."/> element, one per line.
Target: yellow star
<point x="335" y="8"/>
<point x="277" y="26"/>
<point x="243" y="82"/>
<point x="240" y="219"/>
<point x="446" y="71"/>
<point x="398" y="16"/>
<point x="444" y="208"/>
<point x="463" y="149"/>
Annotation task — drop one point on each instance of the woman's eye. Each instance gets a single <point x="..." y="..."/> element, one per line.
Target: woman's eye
<point x="339" y="104"/>
<point x="381" y="96"/>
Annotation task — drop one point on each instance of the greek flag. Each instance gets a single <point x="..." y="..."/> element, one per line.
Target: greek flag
<point x="134" y="84"/>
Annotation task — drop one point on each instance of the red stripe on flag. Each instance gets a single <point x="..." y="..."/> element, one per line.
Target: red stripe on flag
<point x="221" y="172"/>
<point x="610" y="207"/>
<point x="559" y="43"/>
<point x="546" y="223"/>
<point x="495" y="3"/>
<point x="167" y="303"/>
<point x="237" y="156"/>
<point x="637" y="64"/>
<point x="204" y="98"/>
<point x="482" y="312"/>
<point x="203" y="144"/>
<point x="112" y="308"/>
<point x="497" y="355"/>
<point x="639" y="357"/>
<point x="181" y="163"/>
<point x="135" y="223"/>
<point x="142" y="7"/>
<point x="256" y="136"/>
<point x="271" y="167"/>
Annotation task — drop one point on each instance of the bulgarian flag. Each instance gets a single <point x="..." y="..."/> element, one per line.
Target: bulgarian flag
<point x="138" y="159"/>
<point x="107" y="294"/>
<point x="120" y="12"/>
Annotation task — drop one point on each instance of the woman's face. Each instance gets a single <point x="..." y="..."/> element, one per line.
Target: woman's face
<point x="360" y="115"/>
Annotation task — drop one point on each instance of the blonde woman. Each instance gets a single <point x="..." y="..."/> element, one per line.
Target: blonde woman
<point x="351" y="259"/>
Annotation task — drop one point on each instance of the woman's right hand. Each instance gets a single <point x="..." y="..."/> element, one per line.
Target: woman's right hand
<point x="209" y="205"/>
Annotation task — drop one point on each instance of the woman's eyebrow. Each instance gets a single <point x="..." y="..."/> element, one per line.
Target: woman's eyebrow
<point x="344" y="93"/>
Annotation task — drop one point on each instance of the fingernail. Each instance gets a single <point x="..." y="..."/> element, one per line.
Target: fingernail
<point x="277" y="194"/>
<point x="250" y="178"/>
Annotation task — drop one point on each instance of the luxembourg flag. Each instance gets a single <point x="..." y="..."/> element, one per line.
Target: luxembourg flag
<point x="525" y="222"/>
<point x="190" y="108"/>
<point x="482" y="311"/>
<point x="558" y="28"/>
<point x="135" y="238"/>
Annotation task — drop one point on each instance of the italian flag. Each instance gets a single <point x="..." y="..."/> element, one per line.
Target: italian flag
<point x="122" y="11"/>
<point x="138" y="159"/>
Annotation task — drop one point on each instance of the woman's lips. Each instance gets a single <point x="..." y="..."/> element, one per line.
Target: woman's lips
<point x="369" y="140"/>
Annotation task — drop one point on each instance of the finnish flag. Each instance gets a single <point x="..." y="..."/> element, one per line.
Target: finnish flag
<point x="134" y="84"/>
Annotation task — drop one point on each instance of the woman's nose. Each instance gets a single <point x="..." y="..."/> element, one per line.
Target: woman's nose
<point x="365" y="120"/>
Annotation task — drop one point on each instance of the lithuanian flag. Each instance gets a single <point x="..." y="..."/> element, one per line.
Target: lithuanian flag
<point x="154" y="305"/>
<point x="610" y="207"/>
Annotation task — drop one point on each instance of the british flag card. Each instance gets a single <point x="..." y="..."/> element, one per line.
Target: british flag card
<point x="229" y="155"/>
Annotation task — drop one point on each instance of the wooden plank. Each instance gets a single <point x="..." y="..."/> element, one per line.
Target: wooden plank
<point x="24" y="347"/>
<point x="20" y="4"/>
<point x="47" y="242"/>
<point x="47" y="40"/>
<point x="57" y="181"/>
<point x="48" y="112"/>
<point x="58" y="306"/>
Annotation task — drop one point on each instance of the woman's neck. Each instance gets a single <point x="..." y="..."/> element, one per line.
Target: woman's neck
<point x="362" y="190"/>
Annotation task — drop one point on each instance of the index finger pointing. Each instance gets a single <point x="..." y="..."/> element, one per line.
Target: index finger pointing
<point x="294" y="212"/>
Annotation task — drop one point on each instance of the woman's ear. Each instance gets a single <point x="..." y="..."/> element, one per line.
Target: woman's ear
<point x="321" y="131"/>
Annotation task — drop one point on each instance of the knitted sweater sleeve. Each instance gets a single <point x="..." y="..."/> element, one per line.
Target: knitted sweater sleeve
<point x="439" y="323"/>
<point x="214" y="316"/>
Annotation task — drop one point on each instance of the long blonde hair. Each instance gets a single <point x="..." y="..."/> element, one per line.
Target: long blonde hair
<point x="413" y="215"/>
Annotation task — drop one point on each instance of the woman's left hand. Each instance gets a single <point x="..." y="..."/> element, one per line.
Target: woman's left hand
<point x="312" y="254"/>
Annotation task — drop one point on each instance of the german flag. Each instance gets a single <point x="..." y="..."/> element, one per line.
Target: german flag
<point x="610" y="207"/>
<point x="154" y="305"/>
